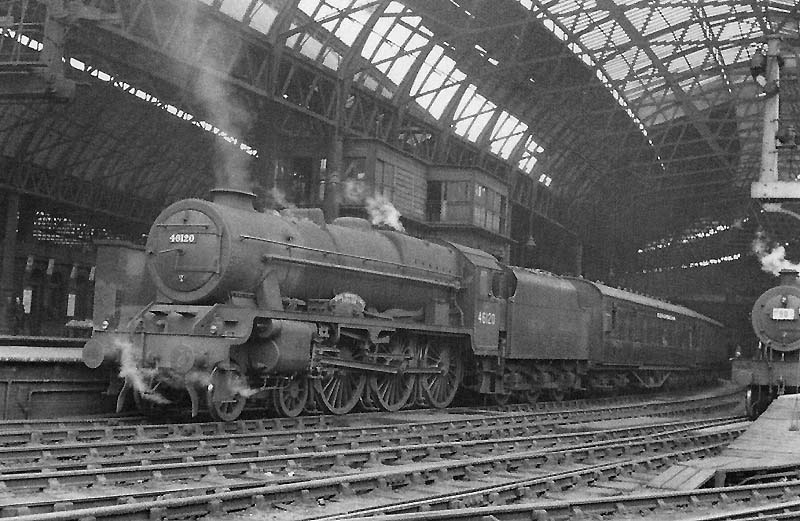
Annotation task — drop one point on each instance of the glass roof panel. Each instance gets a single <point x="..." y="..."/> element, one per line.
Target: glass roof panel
<point x="291" y="41"/>
<point x="400" y="66"/>
<point x="690" y="61"/>
<point x="506" y="134"/>
<point x="427" y="68"/>
<point x="348" y="29"/>
<point x="393" y="46"/>
<point x="441" y="99"/>
<point x="667" y="17"/>
<point x="308" y="6"/>
<point x="263" y="17"/>
<point x="234" y="8"/>
<point x="564" y="6"/>
<point x="597" y="37"/>
<point x="311" y="47"/>
<point x="617" y="68"/>
<point x="439" y="74"/>
<point x="331" y="59"/>
<point x="639" y="16"/>
<point x="473" y="114"/>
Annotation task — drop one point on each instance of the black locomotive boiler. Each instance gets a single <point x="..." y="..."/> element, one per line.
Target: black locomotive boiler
<point x="775" y="367"/>
<point x="289" y="309"/>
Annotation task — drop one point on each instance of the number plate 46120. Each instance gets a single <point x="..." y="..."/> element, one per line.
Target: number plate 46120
<point x="181" y="238"/>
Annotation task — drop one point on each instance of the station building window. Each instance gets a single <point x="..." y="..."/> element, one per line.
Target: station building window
<point x="463" y="202"/>
<point x="384" y="178"/>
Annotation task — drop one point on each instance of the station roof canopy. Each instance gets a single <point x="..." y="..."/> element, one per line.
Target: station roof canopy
<point x="641" y="114"/>
<point x="647" y="109"/>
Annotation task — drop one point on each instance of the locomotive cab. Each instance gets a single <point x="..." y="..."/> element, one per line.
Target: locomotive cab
<point x="481" y="301"/>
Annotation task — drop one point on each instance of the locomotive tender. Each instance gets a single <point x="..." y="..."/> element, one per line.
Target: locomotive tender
<point x="775" y="368"/>
<point x="253" y="306"/>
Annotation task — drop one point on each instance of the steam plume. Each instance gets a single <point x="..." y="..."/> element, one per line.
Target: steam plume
<point x="134" y="374"/>
<point x="353" y="191"/>
<point x="383" y="212"/>
<point x="279" y="199"/>
<point x="772" y="257"/>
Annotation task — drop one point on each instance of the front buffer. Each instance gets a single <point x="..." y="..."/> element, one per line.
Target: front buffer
<point x="205" y="352"/>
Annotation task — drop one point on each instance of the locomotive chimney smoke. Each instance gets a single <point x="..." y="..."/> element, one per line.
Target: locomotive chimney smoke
<point x="382" y="212"/>
<point x="241" y="199"/>
<point x="773" y="260"/>
<point x="279" y="200"/>
<point x="231" y="164"/>
<point x="133" y="374"/>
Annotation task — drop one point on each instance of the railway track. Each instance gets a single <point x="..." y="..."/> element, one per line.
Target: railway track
<point x="194" y="458"/>
<point x="241" y="484"/>
<point x="336" y="427"/>
<point x="764" y="501"/>
<point x="109" y="467"/>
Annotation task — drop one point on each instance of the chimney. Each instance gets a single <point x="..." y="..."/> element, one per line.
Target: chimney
<point x="788" y="277"/>
<point x="240" y="199"/>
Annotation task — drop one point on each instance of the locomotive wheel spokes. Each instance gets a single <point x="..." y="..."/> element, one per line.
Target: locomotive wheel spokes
<point x="340" y="388"/>
<point x="440" y="388"/>
<point x="225" y="402"/>
<point x="292" y="397"/>
<point x="392" y="391"/>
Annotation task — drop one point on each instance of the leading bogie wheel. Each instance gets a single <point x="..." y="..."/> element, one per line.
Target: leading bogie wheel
<point x="440" y="388"/>
<point x="391" y="391"/>
<point x="340" y="388"/>
<point x="532" y="395"/>
<point x="291" y="398"/>
<point x="223" y="395"/>
<point x="556" y="395"/>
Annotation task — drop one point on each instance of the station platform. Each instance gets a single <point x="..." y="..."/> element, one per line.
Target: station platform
<point x="770" y="445"/>
<point x="43" y="377"/>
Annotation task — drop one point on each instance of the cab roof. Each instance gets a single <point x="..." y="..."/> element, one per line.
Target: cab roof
<point x="478" y="258"/>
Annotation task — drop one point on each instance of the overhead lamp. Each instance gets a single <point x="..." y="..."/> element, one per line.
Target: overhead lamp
<point x="758" y="68"/>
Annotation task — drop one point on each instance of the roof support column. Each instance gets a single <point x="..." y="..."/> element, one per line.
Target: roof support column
<point x="769" y="152"/>
<point x="330" y="203"/>
<point x="7" y="263"/>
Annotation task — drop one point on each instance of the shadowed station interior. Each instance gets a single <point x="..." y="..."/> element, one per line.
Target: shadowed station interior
<point x="325" y="206"/>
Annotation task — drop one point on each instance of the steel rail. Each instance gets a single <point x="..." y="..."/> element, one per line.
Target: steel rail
<point x="98" y="421"/>
<point x="349" y="460"/>
<point x="354" y="451"/>
<point x="761" y="500"/>
<point x="419" y="473"/>
<point x="327" y="423"/>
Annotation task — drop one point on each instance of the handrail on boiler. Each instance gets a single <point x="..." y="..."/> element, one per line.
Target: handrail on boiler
<point x="289" y="246"/>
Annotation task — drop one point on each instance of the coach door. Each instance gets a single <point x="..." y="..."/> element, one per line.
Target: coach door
<point x="487" y="311"/>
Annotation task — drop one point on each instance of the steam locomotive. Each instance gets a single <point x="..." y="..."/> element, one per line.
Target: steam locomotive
<point x="285" y="309"/>
<point x="775" y="368"/>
